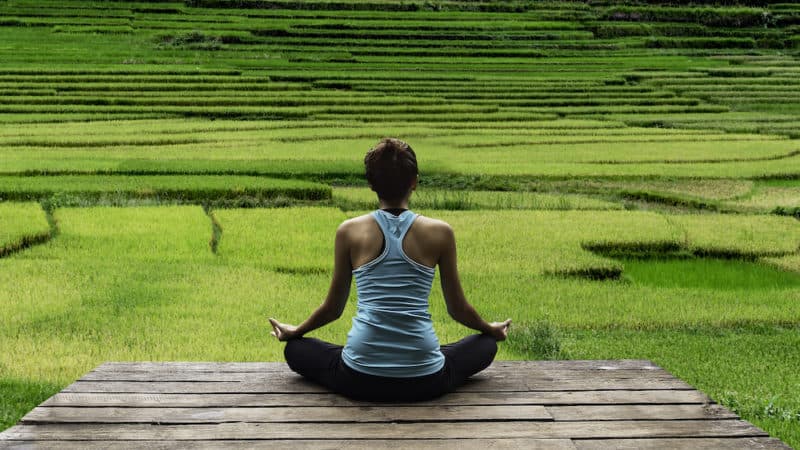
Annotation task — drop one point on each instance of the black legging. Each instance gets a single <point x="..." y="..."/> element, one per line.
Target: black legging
<point x="321" y="362"/>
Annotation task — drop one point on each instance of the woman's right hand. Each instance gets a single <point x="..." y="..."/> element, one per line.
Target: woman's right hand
<point x="499" y="330"/>
<point x="282" y="331"/>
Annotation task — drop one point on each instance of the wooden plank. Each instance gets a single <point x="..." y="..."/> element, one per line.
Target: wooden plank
<point x="539" y="376"/>
<point x="371" y="414"/>
<point x="298" y="385"/>
<point x="640" y="412"/>
<point x="398" y="431"/>
<point x="362" y="414"/>
<point x="584" y="384"/>
<point x="654" y="397"/>
<point x="360" y="444"/>
<point x="190" y="366"/>
<point x="684" y="443"/>
<point x="577" y="364"/>
<point x="287" y="385"/>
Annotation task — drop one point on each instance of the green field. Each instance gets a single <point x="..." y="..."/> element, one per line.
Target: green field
<point x="21" y="225"/>
<point x="622" y="178"/>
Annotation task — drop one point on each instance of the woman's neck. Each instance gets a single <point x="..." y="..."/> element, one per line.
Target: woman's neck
<point x="400" y="204"/>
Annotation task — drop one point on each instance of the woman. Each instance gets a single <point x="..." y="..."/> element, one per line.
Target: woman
<point x="392" y="352"/>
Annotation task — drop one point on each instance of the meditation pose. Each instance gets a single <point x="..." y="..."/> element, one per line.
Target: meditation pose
<point x="392" y="352"/>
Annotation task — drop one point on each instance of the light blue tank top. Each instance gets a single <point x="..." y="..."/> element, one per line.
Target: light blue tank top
<point x="392" y="333"/>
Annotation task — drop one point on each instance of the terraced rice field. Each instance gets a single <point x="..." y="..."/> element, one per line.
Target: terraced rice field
<point x="622" y="178"/>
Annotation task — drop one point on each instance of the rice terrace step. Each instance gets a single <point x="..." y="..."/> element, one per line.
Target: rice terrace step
<point x="513" y="404"/>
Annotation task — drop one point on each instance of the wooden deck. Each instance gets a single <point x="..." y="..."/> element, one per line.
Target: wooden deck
<point x="519" y="404"/>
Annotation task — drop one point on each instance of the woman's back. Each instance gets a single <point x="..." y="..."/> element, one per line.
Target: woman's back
<point x="392" y="333"/>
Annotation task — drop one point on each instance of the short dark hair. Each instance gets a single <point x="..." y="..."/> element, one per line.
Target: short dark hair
<point x="391" y="168"/>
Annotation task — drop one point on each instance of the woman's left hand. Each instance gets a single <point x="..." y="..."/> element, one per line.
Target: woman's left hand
<point x="499" y="330"/>
<point x="283" y="331"/>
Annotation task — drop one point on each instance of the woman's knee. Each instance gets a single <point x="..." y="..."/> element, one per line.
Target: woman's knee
<point x="488" y="347"/>
<point x="303" y="354"/>
<point x="293" y="352"/>
<point x="491" y="343"/>
<point x="483" y="344"/>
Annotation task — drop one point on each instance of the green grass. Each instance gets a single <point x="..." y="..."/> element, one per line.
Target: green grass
<point x="703" y="194"/>
<point x="359" y="199"/>
<point x="22" y="395"/>
<point x="707" y="273"/>
<point x="273" y="148"/>
<point x="294" y="239"/>
<point x="738" y="235"/>
<point x="21" y="225"/>
<point x="772" y="195"/>
<point x="789" y="262"/>
<point x="77" y="189"/>
<point x="564" y="248"/>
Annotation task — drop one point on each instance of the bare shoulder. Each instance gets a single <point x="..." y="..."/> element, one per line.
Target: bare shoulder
<point x="435" y="236"/>
<point x="356" y="225"/>
<point x="436" y="227"/>
<point x="431" y="222"/>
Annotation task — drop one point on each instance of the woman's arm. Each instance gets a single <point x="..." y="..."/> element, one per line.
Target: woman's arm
<point x="457" y="305"/>
<point x="333" y="306"/>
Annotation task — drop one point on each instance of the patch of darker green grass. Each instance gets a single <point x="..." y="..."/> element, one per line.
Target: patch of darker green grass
<point x="667" y="199"/>
<point x="216" y="230"/>
<point x="706" y="273"/>
<point x="21" y="396"/>
<point x="302" y="270"/>
<point x="794" y="182"/>
<point x="784" y="211"/>
<point x="25" y="242"/>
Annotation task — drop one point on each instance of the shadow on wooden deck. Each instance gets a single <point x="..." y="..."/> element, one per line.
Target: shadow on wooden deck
<point x="512" y="404"/>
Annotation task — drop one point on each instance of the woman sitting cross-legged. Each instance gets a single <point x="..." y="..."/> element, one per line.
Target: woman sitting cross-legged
<point x="392" y="352"/>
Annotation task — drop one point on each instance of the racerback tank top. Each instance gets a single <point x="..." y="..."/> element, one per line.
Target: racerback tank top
<point x="392" y="333"/>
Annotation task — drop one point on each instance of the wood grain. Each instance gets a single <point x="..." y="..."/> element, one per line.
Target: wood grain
<point x="292" y="384"/>
<point x="640" y="412"/>
<point x="362" y="414"/>
<point x="304" y="444"/>
<point x="398" y="431"/>
<point x="567" y="398"/>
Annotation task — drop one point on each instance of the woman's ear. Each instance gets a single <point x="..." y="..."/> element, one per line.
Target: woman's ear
<point x="414" y="183"/>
